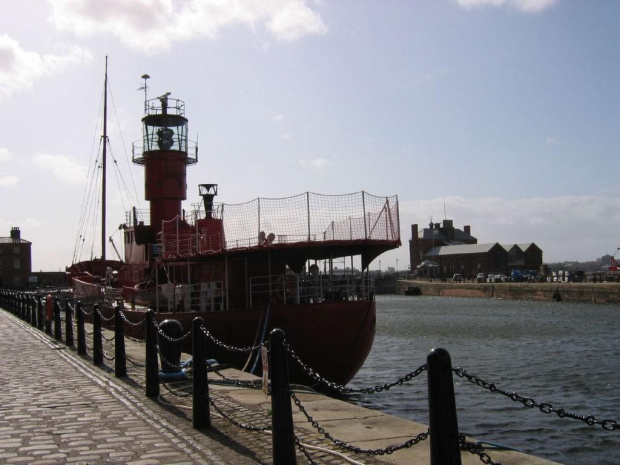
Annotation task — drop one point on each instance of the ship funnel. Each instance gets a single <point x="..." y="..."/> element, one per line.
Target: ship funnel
<point x="208" y="191"/>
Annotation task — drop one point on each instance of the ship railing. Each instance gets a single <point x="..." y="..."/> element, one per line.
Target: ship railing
<point x="188" y="147"/>
<point x="293" y="220"/>
<point x="180" y="239"/>
<point x="112" y="296"/>
<point x="307" y="217"/>
<point x="292" y="288"/>
<point x="164" y="105"/>
<point x="199" y="297"/>
<point x="136" y="216"/>
<point x="187" y="244"/>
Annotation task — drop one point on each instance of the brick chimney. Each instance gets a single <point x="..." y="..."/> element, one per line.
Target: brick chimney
<point x="467" y="230"/>
<point x="15" y="234"/>
<point x="414" y="231"/>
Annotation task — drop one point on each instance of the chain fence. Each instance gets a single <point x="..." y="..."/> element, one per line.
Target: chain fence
<point x="182" y="391"/>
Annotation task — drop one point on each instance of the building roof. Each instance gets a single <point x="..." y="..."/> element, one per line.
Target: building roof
<point x="438" y="235"/>
<point x="524" y="247"/>
<point x="460" y="249"/>
<point x="10" y="240"/>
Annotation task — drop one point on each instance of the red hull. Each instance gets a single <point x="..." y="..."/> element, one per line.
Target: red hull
<point x="333" y="338"/>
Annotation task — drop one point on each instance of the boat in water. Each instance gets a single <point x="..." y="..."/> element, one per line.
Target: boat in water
<point x="247" y="268"/>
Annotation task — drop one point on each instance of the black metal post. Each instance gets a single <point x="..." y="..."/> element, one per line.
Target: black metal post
<point x="152" y="366"/>
<point x="201" y="409"/>
<point x="33" y="311"/>
<point x="120" y="358"/>
<point x="97" y="338"/>
<point x="49" y="313"/>
<point x="27" y="306"/>
<point x="20" y="306"/>
<point x="443" y="424"/>
<point x="68" y="324"/>
<point x="57" y="320"/>
<point x="40" y="314"/>
<point x="282" y="414"/>
<point x="79" y="315"/>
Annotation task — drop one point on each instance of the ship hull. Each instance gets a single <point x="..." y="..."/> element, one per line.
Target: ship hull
<point x="332" y="338"/>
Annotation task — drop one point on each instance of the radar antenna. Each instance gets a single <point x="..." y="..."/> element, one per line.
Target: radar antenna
<point x="145" y="87"/>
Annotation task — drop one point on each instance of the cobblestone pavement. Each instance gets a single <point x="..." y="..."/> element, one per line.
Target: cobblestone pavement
<point x="56" y="407"/>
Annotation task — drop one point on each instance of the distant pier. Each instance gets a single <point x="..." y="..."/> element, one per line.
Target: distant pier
<point x="597" y="293"/>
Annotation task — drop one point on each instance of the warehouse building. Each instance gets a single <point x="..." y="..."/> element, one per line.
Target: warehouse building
<point x="441" y="251"/>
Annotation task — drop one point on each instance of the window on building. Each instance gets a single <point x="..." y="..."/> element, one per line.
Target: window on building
<point x="16" y="249"/>
<point x="17" y="264"/>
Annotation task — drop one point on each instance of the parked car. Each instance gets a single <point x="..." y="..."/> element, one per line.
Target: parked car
<point x="456" y="278"/>
<point x="501" y="278"/>
<point x="480" y="277"/>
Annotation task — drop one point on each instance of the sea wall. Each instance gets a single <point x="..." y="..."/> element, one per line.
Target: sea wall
<point x="599" y="293"/>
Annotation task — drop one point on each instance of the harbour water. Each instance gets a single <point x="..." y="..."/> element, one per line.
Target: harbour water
<point x="565" y="354"/>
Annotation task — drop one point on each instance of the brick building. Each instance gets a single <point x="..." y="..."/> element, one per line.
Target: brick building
<point x="441" y="250"/>
<point x="15" y="260"/>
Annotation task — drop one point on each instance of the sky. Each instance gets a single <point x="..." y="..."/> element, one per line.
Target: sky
<point x="498" y="114"/>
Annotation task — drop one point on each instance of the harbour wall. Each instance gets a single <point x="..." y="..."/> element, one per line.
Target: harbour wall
<point x="598" y="293"/>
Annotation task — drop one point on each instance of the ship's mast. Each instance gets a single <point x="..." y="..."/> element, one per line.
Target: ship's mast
<point x="103" y="165"/>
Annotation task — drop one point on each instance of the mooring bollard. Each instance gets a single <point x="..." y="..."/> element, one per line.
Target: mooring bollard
<point x="443" y="424"/>
<point x="79" y="315"/>
<point x="201" y="410"/>
<point x="97" y="338"/>
<point x="68" y="324"/>
<point x="120" y="358"/>
<point x="282" y="414"/>
<point x="152" y="367"/>
<point x="57" y="320"/>
<point x="170" y="344"/>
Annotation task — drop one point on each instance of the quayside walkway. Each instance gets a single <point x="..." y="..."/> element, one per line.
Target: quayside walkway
<point x="57" y="407"/>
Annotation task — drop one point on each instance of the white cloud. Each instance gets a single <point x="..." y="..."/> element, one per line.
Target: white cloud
<point x="61" y="167"/>
<point x="294" y="21"/>
<point x="153" y="25"/>
<point x="278" y="118"/>
<point x="19" y="68"/>
<point x="551" y="140"/>
<point x="529" y="6"/>
<point x="5" y="155"/>
<point x="318" y="163"/>
<point x="8" y="181"/>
